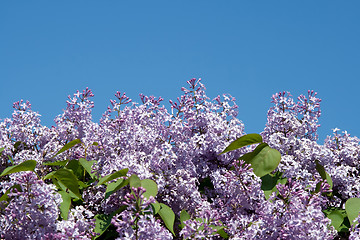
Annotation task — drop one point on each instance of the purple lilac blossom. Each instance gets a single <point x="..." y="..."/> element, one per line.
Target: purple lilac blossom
<point x="137" y="220"/>
<point x="179" y="150"/>
<point x="32" y="211"/>
<point x="80" y="224"/>
<point x="297" y="214"/>
<point x="344" y="169"/>
<point x="202" y="227"/>
<point x="240" y="199"/>
<point x="291" y="129"/>
<point x="355" y="230"/>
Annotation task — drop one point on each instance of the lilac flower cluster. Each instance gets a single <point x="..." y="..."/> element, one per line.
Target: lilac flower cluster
<point x="344" y="168"/>
<point x="291" y="128"/>
<point x="79" y="225"/>
<point x="297" y="214"/>
<point x="137" y="221"/>
<point x="355" y="230"/>
<point x="33" y="208"/>
<point x="203" y="227"/>
<point x="180" y="151"/>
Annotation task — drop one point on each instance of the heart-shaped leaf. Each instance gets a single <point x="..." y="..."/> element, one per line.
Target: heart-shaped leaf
<point x="134" y="181"/>
<point x="150" y="186"/>
<point x="337" y="218"/>
<point x="352" y="207"/>
<point x="263" y="159"/>
<point x="168" y="216"/>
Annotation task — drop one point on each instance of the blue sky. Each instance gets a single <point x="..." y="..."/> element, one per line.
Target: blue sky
<point x="249" y="49"/>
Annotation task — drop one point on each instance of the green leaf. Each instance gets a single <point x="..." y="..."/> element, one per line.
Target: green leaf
<point x="5" y="196"/>
<point x="87" y="166"/>
<point x="352" y="207"/>
<point x="76" y="168"/>
<point x="50" y="175"/>
<point x="184" y="215"/>
<point x="70" y="181"/>
<point x="168" y="216"/>
<point x="247" y="157"/>
<point x="57" y="163"/>
<point x="82" y="185"/>
<point x="150" y="186"/>
<point x="114" y="186"/>
<point x="336" y="218"/>
<point x="263" y="159"/>
<point x="156" y="207"/>
<point x="243" y="141"/>
<point x="269" y="182"/>
<point x="95" y="144"/>
<point x="222" y="233"/>
<point x="2" y="149"/>
<point x="102" y="222"/>
<point x="62" y="187"/>
<point x="65" y="204"/>
<point x="324" y="175"/>
<point x="216" y="228"/>
<point x="28" y="165"/>
<point x="68" y="146"/>
<point x="134" y="181"/>
<point x="113" y="176"/>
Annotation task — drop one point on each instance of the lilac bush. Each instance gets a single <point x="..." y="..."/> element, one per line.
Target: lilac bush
<point x="191" y="172"/>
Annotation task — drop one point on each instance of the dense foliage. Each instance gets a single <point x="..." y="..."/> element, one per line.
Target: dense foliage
<point x="143" y="172"/>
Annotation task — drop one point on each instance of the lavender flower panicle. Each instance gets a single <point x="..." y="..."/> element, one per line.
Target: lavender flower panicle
<point x="138" y="221"/>
<point x="179" y="149"/>
<point x="32" y="212"/>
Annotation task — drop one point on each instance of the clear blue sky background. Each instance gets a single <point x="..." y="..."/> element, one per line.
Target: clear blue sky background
<point x="250" y="49"/>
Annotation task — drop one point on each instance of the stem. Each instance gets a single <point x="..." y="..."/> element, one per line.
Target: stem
<point x="136" y="228"/>
<point x="85" y="156"/>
